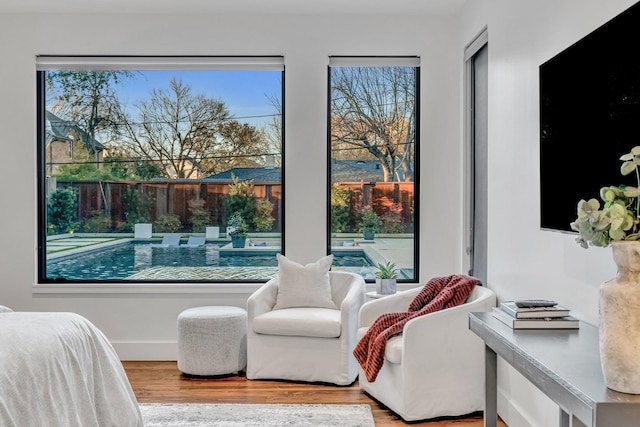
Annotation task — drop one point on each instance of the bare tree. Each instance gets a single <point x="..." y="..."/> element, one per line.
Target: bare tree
<point x="188" y="134"/>
<point x="273" y="131"/>
<point x="373" y="115"/>
<point x="238" y="145"/>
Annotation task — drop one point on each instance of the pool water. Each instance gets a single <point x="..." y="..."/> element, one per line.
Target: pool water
<point x="120" y="262"/>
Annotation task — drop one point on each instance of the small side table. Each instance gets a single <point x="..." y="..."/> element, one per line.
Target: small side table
<point x="375" y="295"/>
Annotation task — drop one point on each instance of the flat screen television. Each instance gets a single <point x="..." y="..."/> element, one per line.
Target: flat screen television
<point x="589" y="117"/>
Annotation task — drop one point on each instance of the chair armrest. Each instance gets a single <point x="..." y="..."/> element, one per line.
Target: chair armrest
<point x="448" y="330"/>
<point x="398" y="302"/>
<point x="4" y="309"/>
<point x="352" y="302"/>
<point x="263" y="300"/>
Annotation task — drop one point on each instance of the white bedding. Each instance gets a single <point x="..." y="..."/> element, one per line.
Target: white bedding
<point x="58" y="369"/>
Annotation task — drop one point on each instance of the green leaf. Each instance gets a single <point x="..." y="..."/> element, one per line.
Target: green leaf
<point x="628" y="223"/>
<point x="627" y="168"/>
<point x="632" y="192"/>
<point x="627" y="157"/>
<point x="636" y="150"/>
<point x="616" y="234"/>
<point x="593" y="204"/>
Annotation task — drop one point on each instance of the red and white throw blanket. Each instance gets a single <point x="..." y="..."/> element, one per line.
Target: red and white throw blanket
<point x="437" y="294"/>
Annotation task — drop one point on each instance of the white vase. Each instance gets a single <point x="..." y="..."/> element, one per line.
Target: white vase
<point x="385" y="286"/>
<point x="620" y="321"/>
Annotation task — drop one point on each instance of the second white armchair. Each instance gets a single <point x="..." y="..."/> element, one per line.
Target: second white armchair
<point x="436" y="366"/>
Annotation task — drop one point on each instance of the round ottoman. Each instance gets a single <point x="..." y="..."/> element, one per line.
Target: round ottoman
<point x="212" y="340"/>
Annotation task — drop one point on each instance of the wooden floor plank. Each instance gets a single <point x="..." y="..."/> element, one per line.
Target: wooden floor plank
<point x="162" y="382"/>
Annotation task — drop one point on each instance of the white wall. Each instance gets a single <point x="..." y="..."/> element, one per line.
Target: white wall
<point x="523" y="261"/>
<point x="141" y="321"/>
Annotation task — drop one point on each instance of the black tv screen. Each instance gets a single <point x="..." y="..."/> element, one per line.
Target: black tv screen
<point x="589" y="117"/>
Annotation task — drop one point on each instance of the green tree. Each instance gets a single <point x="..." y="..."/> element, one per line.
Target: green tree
<point x="79" y="172"/>
<point x="84" y="170"/>
<point x="117" y="168"/>
<point x="148" y="170"/>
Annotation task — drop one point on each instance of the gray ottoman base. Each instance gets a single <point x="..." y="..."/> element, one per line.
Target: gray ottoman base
<point x="212" y="340"/>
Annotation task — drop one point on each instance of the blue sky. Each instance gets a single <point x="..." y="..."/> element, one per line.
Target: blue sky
<point x="245" y="93"/>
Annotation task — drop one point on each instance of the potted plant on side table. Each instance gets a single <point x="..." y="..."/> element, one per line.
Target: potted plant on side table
<point x="237" y="228"/>
<point x="386" y="278"/>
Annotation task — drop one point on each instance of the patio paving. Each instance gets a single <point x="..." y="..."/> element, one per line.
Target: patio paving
<point x="206" y="273"/>
<point x="76" y="244"/>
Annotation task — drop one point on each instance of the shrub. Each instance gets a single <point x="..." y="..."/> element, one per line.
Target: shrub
<point x="369" y="220"/>
<point x="241" y="199"/>
<point x="340" y="205"/>
<point x="136" y="208"/>
<point x="98" y="223"/>
<point x="236" y="225"/>
<point x="167" y="223"/>
<point x="392" y="220"/>
<point x="263" y="221"/>
<point x="62" y="211"/>
<point x="199" y="215"/>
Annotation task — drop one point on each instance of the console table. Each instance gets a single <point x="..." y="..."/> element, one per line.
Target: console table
<point x="563" y="364"/>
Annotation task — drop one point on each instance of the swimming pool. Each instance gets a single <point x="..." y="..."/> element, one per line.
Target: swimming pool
<point x="120" y="262"/>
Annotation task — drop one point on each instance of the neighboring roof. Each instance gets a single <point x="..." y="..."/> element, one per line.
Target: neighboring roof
<point x="269" y="174"/>
<point x="342" y="171"/>
<point x="356" y="171"/>
<point x="58" y="129"/>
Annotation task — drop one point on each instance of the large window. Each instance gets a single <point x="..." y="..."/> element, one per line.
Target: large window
<point x="373" y="165"/>
<point x="157" y="169"/>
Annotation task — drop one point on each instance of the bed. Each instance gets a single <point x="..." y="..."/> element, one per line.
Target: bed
<point x="58" y="369"/>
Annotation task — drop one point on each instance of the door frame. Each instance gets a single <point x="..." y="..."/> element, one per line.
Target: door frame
<point x="470" y="50"/>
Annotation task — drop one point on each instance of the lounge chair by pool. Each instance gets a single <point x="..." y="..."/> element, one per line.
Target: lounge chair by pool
<point x="170" y="240"/>
<point x="194" y="242"/>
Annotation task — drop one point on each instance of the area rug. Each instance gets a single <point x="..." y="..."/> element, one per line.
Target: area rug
<point x="248" y="415"/>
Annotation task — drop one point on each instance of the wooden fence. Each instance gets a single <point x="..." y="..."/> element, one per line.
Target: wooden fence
<point x="172" y="197"/>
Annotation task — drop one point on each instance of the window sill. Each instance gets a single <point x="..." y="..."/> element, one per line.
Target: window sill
<point x="147" y="288"/>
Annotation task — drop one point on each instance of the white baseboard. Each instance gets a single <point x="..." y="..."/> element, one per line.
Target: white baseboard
<point x="159" y="350"/>
<point x="512" y="414"/>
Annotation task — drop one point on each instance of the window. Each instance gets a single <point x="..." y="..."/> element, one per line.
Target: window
<point x="153" y="169"/>
<point x="373" y="164"/>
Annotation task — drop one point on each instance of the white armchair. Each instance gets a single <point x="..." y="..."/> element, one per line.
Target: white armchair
<point x="436" y="367"/>
<point x="305" y="343"/>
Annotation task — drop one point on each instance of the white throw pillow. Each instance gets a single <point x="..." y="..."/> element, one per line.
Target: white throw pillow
<point x="304" y="286"/>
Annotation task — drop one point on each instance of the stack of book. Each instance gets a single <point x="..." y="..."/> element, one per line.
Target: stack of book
<point x="552" y="317"/>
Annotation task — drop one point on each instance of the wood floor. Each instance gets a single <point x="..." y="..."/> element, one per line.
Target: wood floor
<point x="161" y="382"/>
